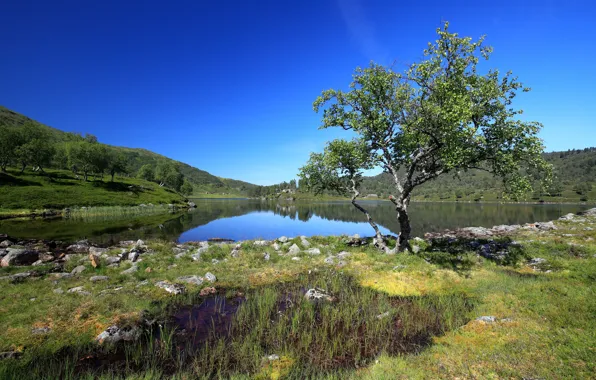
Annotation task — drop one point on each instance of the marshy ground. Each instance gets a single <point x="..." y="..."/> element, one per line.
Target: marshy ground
<point x="398" y="316"/>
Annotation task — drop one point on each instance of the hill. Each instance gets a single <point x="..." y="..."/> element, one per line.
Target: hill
<point x="574" y="170"/>
<point x="202" y="181"/>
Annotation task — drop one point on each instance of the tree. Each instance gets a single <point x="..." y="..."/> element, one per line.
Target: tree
<point x="186" y="188"/>
<point x="9" y="142"/>
<point x="582" y="188"/>
<point x="440" y="116"/>
<point x="146" y="172"/>
<point x="36" y="148"/>
<point x="88" y="157"/>
<point x="117" y="163"/>
<point x="166" y="173"/>
<point x="339" y="169"/>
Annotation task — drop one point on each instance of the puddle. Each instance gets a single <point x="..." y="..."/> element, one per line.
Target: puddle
<point x="223" y="336"/>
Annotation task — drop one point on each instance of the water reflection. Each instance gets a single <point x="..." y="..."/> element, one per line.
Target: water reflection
<point x="250" y="219"/>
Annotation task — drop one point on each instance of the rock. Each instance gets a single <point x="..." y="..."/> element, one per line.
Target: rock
<point x="505" y="229"/>
<point x="46" y="257"/>
<point x="294" y="250"/>
<point x="195" y="280"/>
<point x="196" y="257"/>
<point x="316" y="294"/>
<point x="214" y="261"/>
<point x="78" y="248"/>
<point x="383" y="315"/>
<point x="207" y="291"/>
<point x="79" y="290"/>
<point x="148" y="270"/>
<point x="418" y="240"/>
<point x="355" y="236"/>
<point x="272" y="357"/>
<point x="276" y="247"/>
<point x="131" y="270"/>
<point x="477" y="231"/>
<point x="415" y="249"/>
<point x="305" y="243"/>
<point x="112" y="260"/>
<point x="296" y="258"/>
<point x="235" y="253"/>
<point x="343" y="255"/>
<point x="16" y="277"/>
<point x="41" y="330"/>
<point x="98" y="278"/>
<point x="133" y="256"/>
<point x="267" y="257"/>
<point x="313" y="251"/>
<point x="10" y="355"/>
<point x="3" y="253"/>
<point x="487" y="319"/>
<point x="98" y="251"/>
<point x="19" y="256"/>
<point x="95" y="260"/>
<point x="283" y="239"/>
<point x="537" y="261"/>
<point x="261" y="243"/>
<point x="590" y="212"/>
<point x="58" y="291"/>
<point x="114" y="334"/>
<point x="78" y="269"/>
<point x="569" y="216"/>
<point x="61" y="275"/>
<point x="191" y="205"/>
<point x="171" y="288"/>
<point x="546" y="226"/>
<point x="5" y="244"/>
<point x="329" y="260"/>
<point x="588" y="229"/>
<point x="210" y="277"/>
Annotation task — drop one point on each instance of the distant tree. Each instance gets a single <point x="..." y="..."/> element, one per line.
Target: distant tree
<point x="36" y="148"/>
<point x="186" y="188"/>
<point x="168" y="174"/>
<point x="146" y="172"/>
<point x="440" y="116"/>
<point x="582" y="188"/>
<point x="88" y="158"/>
<point x="339" y="169"/>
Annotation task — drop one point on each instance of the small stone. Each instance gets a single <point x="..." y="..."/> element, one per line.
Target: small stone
<point x="267" y="257"/>
<point x="131" y="270"/>
<point x="305" y="243"/>
<point x="98" y="278"/>
<point x="261" y="243"/>
<point x="41" y="330"/>
<point x="283" y="239"/>
<point x="148" y="270"/>
<point x="415" y="249"/>
<point x="78" y="248"/>
<point x="214" y="261"/>
<point x="77" y="270"/>
<point x="58" y="291"/>
<point x="313" y="251"/>
<point x="112" y="260"/>
<point x="210" y="277"/>
<point x="296" y="258"/>
<point x="487" y="319"/>
<point x="171" y="288"/>
<point x="95" y="261"/>
<point x="276" y="247"/>
<point x="133" y="256"/>
<point x="316" y="294"/>
<point x="329" y="260"/>
<point x="79" y="290"/>
<point x="273" y="357"/>
<point x="207" y="291"/>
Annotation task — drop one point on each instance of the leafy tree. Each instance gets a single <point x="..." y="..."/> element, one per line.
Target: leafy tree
<point x="339" y="169"/>
<point x="186" y="188"/>
<point x="88" y="158"/>
<point x="37" y="147"/>
<point x="168" y="174"/>
<point x="10" y="139"/>
<point x="440" y="116"/>
<point x="146" y="172"/>
<point x="117" y="163"/>
<point x="582" y="188"/>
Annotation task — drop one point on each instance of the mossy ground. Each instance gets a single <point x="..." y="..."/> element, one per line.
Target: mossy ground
<point x="549" y="331"/>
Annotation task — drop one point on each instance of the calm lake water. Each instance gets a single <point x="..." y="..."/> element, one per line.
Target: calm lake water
<point x="241" y="219"/>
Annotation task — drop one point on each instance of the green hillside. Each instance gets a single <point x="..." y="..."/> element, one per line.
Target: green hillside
<point x="575" y="180"/>
<point x="202" y="181"/>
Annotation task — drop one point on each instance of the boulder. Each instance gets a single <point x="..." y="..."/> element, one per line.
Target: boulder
<point x="283" y="239"/>
<point x="316" y="294"/>
<point x="305" y="243"/>
<point x="98" y="251"/>
<point x="276" y="247"/>
<point x="79" y="290"/>
<point x="19" y="256"/>
<point x="313" y="251"/>
<point x="329" y="260"/>
<point x="112" y="260"/>
<point x="210" y="277"/>
<point x="546" y="226"/>
<point x="98" y="278"/>
<point x="95" y="261"/>
<point x="131" y="270"/>
<point x="294" y="250"/>
<point x="78" y="248"/>
<point x="191" y="205"/>
<point x="5" y="244"/>
<point x="16" y="276"/>
<point x="569" y="216"/>
<point x="261" y="243"/>
<point x="195" y="280"/>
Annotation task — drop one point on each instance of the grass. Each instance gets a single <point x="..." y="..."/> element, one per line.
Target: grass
<point x="548" y="332"/>
<point x="116" y="212"/>
<point x="34" y="191"/>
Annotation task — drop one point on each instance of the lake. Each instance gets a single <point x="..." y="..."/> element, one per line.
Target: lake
<point x="242" y="219"/>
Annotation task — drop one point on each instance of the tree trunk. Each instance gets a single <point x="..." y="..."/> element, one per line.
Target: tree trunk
<point x="85" y="175"/>
<point x="23" y="166"/>
<point x="380" y="239"/>
<point x="405" y="228"/>
<point x="113" y="176"/>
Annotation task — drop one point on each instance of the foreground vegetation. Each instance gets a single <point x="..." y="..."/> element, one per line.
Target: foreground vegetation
<point x="543" y="310"/>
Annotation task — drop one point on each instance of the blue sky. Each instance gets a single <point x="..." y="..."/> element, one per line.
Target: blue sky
<point x="228" y="86"/>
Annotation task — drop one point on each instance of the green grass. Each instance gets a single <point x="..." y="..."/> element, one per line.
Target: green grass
<point x="34" y="191"/>
<point x="551" y="333"/>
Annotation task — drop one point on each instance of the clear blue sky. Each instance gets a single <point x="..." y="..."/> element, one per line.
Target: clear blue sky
<point x="228" y="86"/>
